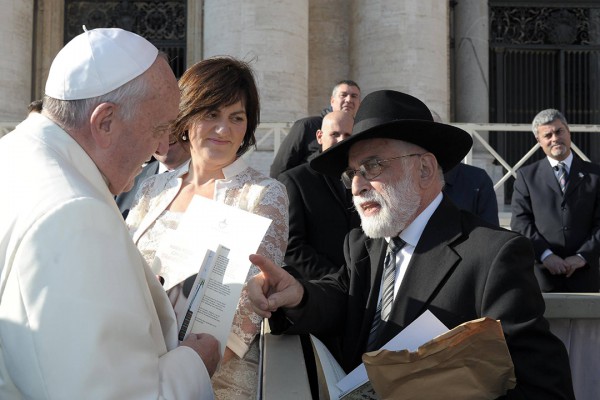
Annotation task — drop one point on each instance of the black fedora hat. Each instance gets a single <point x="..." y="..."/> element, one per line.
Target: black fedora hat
<point x="395" y="115"/>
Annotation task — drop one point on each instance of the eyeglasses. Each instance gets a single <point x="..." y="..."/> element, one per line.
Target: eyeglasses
<point x="370" y="169"/>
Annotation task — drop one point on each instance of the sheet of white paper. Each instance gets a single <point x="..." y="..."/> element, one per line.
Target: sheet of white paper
<point x="419" y="332"/>
<point x="198" y="290"/>
<point x="332" y="372"/>
<point x="217" y="305"/>
<point x="206" y="225"/>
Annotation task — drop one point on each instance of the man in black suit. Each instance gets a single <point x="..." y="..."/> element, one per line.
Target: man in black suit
<point x="300" y="141"/>
<point x="451" y="264"/>
<point x="321" y="210"/>
<point x="175" y="157"/>
<point x="563" y="225"/>
<point x="472" y="189"/>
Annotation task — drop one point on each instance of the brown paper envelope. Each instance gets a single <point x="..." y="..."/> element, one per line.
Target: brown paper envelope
<point x="470" y="361"/>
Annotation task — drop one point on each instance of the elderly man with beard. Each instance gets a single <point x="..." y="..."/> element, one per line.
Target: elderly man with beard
<point x="450" y="262"/>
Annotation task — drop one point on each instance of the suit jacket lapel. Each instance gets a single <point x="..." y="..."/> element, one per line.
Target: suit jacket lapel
<point x="152" y="169"/>
<point x="162" y="196"/>
<point x="338" y="190"/>
<point x="376" y="249"/>
<point x="576" y="175"/>
<point x="431" y="262"/>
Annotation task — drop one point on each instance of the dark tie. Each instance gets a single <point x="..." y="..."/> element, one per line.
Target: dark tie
<point x="384" y="306"/>
<point x="562" y="175"/>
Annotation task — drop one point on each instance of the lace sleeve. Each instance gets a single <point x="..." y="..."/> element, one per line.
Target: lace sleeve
<point x="140" y="205"/>
<point x="272" y="202"/>
<point x="157" y="191"/>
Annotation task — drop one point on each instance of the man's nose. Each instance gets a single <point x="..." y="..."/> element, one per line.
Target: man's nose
<point x="163" y="145"/>
<point x="359" y="184"/>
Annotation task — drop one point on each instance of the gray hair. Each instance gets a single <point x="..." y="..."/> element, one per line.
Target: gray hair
<point x="73" y="114"/>
<point x="545" y="117"/>
<point x="440" y="173"/>
<point x="344" y="82"/>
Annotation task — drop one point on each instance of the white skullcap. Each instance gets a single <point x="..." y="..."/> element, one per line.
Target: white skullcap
<point x="97" y="62"/>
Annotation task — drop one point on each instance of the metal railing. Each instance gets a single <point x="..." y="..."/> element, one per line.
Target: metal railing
<point x="270" y="134"/>
<point x="475" y="131"/>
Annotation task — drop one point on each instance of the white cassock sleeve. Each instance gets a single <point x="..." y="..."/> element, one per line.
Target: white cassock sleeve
<point x="80" y="320"/>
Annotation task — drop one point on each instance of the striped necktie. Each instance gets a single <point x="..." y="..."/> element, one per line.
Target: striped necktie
<point x="562" y="175"/>
<point x="384" y="306"/>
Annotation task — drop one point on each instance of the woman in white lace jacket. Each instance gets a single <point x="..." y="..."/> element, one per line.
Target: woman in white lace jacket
<point x="219" y="112"/>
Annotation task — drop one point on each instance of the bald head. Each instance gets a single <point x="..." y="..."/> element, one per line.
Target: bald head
<point x="336" y="126"/>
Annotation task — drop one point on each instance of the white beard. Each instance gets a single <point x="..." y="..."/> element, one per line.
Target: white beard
<point x="399" y="203"/>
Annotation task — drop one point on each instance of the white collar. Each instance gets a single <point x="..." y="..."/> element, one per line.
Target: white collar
<point x="162" y="168"/>
<point x="567" y="161"/>
<point x="229" y="171"/>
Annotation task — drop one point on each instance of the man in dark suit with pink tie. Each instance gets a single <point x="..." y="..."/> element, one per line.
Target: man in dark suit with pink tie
<point x="556" y="203"/>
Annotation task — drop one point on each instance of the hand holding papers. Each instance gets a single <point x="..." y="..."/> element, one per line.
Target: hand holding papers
<point x="423" y="329"/>
<point x="471" y="361"/>
<point x="213" y="240"/>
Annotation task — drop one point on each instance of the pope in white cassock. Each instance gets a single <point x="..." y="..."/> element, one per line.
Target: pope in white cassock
<point x="81" y="314"/>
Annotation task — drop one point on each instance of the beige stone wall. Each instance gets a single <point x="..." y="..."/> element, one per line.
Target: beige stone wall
<point x="472" y="67"/>
<point x="402" y="45"/>
<point x="299" y="48"/>
<point x="48" y="39"/>
<point x="16" y="27"/>
<point x="329" y="50"/>
<point x="274" y="36"/>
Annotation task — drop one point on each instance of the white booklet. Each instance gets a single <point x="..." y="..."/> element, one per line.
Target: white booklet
<point x="338" y="385"/>
<point x="214" y="241"/>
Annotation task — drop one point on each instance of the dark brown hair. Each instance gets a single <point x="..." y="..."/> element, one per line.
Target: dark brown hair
<point x="214" y="83"/>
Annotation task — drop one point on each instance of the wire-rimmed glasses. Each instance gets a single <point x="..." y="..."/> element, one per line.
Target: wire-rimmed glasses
<point x="370" y="169"/>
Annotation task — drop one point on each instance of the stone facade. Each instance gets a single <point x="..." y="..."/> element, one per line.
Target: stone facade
<point x="299" y="49"/>
<point x="16" y="31"/>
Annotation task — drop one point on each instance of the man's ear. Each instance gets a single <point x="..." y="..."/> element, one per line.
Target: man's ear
<point x="319" y="136"/>
<point x="102" y="124"/>
<point x="428" y="167"/>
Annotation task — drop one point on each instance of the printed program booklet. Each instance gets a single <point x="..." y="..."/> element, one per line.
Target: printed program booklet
<point x="214" y="241"/>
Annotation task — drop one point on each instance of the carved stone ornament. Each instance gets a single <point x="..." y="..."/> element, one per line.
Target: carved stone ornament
<point x="540" y="25"/>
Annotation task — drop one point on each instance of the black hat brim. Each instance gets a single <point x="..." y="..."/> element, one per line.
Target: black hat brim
<point x="448" y="143"/>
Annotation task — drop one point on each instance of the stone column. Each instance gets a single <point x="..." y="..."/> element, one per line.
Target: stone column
<point x="49" y="39"/>
<point x="329" y="50"/>
<point x="403" y="45"/>
<point x="194" y="32"/>
<point x="274" y="37"/>
<point x="471" y="71"/>
<point x="471" y="36"/>
<point x="16" y="30"/>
